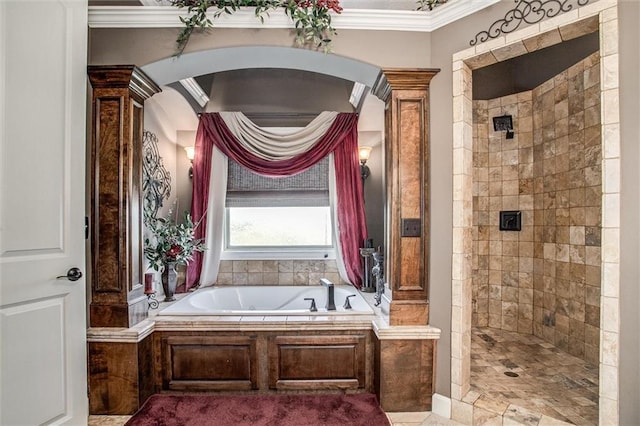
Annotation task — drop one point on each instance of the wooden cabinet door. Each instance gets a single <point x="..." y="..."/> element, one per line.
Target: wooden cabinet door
<point x="317" y="362"/>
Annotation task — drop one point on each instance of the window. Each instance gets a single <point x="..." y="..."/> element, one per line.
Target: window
<point x="276" y="218"/>
<point x="279" y="227"/>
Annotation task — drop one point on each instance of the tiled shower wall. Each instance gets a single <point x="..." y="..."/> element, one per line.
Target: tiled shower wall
<point x="545" y="279"/>
<point x="277" y="272"/>
<point x="502" y="287"/>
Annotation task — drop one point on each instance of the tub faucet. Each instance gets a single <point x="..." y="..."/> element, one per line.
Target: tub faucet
<point x="347" y="304"/>
<point x="331" y="303"/>
<point x="313" y="304"/>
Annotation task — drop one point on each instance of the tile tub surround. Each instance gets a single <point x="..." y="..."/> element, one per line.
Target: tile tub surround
<point x="545" y="279"/>
<point x="277" y="272"/>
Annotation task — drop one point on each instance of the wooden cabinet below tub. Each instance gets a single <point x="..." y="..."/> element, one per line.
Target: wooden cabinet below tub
<point x="317" y="362"/>
<point x="265" y="361"/>
<point x="209" y="363"/>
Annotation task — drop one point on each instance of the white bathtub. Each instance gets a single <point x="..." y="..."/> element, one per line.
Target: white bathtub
<point x="267" y="301"/>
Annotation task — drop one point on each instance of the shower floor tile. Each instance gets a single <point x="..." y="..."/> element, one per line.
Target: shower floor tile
<point x="541" y="378"/>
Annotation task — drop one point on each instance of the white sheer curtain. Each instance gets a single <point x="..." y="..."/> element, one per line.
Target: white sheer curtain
<point x="268" y="145"/>
<point x="215" y="218"/>
<point x="276" y="146"/>
<point x="333" y="203"/>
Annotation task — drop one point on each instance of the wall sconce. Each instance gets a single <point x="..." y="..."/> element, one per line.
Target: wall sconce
<point x="363" y="154"/>
<point x="190" y="155"/>
<point x="504" y="122"/>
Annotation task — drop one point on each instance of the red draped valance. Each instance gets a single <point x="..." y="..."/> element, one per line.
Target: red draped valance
<point x="341" y="139"/>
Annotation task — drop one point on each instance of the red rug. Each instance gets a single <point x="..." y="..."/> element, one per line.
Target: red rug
<point x="260" y="410"/>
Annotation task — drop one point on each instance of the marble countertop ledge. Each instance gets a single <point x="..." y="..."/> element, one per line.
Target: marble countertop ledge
<point x="258" y="323"/>
<point x="122" y="335"/>
<point x="384" y="331"/>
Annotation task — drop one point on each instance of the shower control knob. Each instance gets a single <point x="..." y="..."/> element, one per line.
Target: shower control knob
<point x="73" y="274"/>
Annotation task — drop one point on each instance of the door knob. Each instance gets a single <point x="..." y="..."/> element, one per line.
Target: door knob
<point x="73" y="274"/>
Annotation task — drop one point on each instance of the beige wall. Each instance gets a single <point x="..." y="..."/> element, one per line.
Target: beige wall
<point x="629" y="16"/>
<point x="143" y="46"/>
<point x="166" y="148"/>
<point x="183" y="181"/>
<point x="374" y="197"/>
<point x="444" y="43"/>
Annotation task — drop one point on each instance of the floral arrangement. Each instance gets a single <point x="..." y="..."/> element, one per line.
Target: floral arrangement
<point x="311" y="18"/>
<point x="172" y="242"/>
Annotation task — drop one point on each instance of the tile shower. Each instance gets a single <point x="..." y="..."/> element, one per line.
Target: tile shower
<point x="545" y="279"/>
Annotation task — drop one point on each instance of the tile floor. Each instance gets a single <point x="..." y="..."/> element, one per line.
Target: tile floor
<point x="397" y="419"/>
<point x="107" y="420"/>
<point x="550" y="384"/>
<point x="419" y="419"/>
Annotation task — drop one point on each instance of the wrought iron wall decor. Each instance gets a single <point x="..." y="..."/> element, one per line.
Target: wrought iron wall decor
<point x="528" y="12"/>
<point x="156" y="180"/>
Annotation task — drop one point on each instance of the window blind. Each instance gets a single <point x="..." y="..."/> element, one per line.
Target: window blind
<point x="307" y="189"/>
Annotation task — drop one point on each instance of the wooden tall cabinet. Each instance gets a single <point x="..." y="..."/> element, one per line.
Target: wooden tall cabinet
<point x="407" y="171"/>
<point x="117" y="290"/>
<point x="405" y="352"/>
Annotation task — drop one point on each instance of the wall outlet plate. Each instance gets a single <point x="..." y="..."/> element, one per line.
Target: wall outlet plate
<point x="411" y="228"/>
<point x="510" y="220"/>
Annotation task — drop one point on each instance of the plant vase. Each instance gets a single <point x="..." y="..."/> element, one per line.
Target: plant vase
<point x="169" y="281"/>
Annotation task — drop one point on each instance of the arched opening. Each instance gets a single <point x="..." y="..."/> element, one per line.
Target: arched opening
<point x="274" y="87"/>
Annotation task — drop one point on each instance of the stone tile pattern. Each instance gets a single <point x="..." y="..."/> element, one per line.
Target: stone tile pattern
<point x="550" y="384"/>
<point x="462" y="253"/>
<point x="545" y="279"/>
<point x="96" y="420"/>
<point x="277" y="272"/>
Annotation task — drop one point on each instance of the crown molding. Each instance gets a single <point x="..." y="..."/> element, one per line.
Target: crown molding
<point x="352" y="19"/>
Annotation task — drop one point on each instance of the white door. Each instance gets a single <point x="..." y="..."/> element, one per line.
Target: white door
<point x="43" y="48"/>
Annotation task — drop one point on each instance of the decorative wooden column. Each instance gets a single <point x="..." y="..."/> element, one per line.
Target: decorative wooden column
<point x="407" y="145"/>
<point x="120" y="369"/>
<point x="405" y="367"/>
<point x="117" y="290"/>
<point x="406" y="348"/>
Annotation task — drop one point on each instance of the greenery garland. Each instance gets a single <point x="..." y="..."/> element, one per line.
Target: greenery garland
<point x="311" y="18"/>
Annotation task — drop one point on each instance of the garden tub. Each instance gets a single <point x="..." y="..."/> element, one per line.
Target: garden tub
<point x="268" y="300"/>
